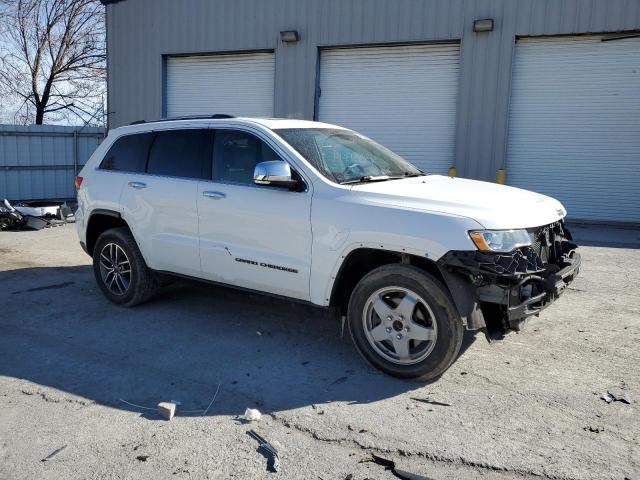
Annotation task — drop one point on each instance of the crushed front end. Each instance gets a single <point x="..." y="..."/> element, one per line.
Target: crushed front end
<point x="497" y="292"/>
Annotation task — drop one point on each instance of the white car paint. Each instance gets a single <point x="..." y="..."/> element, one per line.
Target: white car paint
<point x="310" y="232"/>
<point x="494" y="206"/>
<point x="163" y="218"/>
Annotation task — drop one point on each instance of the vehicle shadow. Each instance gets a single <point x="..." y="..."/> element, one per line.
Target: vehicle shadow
<point x="59" y="331"/>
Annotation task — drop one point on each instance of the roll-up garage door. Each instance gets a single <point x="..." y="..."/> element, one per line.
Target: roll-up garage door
<point x="404" y="97"/>
<point x="240" y="85"/>
<point x="574" y="129"/>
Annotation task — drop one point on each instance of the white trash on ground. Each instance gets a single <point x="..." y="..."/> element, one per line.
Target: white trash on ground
<point x="252" y="415"/>
<point x="167" y="410"/>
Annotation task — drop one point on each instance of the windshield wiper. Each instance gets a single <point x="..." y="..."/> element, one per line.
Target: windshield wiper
<point x="367" y="179"/>
<point x="413" y="174"/>
<point x="407" y="175"/>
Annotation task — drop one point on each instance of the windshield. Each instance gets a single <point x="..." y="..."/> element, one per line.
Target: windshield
<point x="347" y="157"/>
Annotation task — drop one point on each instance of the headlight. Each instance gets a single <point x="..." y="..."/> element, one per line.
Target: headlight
<point x="502" y="241"/>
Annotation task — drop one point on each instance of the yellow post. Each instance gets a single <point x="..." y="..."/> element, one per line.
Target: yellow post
<point x="500" y="176"/>
<point x="453" y="172"/>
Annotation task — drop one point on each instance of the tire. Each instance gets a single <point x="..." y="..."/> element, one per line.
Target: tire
<point x="130" y="288"/>
<point x="421" y="332"/>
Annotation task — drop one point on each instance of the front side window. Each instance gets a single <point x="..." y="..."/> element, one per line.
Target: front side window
<point x="236" y="155"/>
<point x="182" y="153"/>
<point x="344" y="156"/>
<point x="128" y="153"/>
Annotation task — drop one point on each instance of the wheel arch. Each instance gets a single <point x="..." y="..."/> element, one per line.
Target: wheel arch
<point x="99" y="222"/>
<point x="361" y="261"/>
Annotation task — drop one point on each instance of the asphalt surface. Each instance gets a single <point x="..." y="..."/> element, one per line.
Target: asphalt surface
<point x="525" y="407"/>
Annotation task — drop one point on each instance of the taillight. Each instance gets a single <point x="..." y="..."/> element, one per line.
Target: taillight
<point x="78" y="182"/>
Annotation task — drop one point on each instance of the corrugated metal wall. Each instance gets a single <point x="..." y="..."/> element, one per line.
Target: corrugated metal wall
<point x="38" y="162"/>
<point x="140" y="32"/>
<point x="575" y="111"/>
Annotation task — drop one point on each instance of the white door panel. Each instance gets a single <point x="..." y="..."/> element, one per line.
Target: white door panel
<point x="574" y="129"/>
<point x="403" y="97"/>
<point x="256" y="237"/>
<point x="164" y="221"/>
<point x="240" y="85"/>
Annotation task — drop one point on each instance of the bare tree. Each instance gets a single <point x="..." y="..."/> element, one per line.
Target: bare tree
<point x="52" y="58"/>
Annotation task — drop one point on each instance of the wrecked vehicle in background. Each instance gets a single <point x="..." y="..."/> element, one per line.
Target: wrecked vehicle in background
<point x="24" y="216"/>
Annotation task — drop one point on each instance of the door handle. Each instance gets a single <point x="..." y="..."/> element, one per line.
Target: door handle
<point x="137" y="185"/>
<point x="214" y="195"/>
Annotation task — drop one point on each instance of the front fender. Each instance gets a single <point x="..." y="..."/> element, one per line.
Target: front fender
<point x="340" y="227"/>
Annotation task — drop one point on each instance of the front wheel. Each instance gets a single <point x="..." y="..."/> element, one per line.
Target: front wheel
<point x="403" y="322"/>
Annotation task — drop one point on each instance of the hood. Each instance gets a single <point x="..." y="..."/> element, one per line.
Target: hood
<point x="492" y="205"/>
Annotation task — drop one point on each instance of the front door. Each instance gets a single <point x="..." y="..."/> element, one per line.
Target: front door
<point x="256" y="237"/>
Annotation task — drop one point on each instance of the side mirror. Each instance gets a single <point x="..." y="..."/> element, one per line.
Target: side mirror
<point x="276" y="173"/>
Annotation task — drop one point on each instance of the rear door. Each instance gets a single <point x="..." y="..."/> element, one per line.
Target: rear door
<point x="253" y="236"/>
<point x="127" y="156"/>
<point x="160" y="204"/>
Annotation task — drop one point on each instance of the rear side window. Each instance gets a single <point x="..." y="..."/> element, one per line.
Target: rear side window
<point x="236" y="156"/>
<point x="128" y="153"/>
<point x="182" y="153"/>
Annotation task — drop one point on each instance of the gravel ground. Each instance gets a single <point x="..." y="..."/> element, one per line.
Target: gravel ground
<point x="525" y="407"/>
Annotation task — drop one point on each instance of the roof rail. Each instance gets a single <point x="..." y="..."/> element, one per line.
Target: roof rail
<point x="217" y="116"/>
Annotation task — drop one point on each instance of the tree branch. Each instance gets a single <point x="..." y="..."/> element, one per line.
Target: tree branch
<point x="51" y="50"/>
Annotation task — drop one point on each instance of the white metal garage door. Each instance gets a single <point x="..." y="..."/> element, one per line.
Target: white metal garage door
<point x="574" y="130"/>
<point x="404" y="97"/>
<point x="240" y="85"/>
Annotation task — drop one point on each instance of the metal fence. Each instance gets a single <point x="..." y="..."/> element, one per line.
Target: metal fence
<point x="39" y="162"/>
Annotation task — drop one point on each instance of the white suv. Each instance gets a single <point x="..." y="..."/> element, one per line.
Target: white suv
<point x="321" y="214"/>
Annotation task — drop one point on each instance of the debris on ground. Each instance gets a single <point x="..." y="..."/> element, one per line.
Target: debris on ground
<point x="33" y="216"/>
<point x="431" y="402"/>
<point x="593" y="429"/>
<point x="252" y="415"/>
<point x="48" y="211"/>
<point x="615" y="396"/>
<point x="35" y="223"/>
<point x="10" y="219"/>
<point x="215" y="395"/>
<point x="607" y="397"/>
<point x="142" y="458"/>
<point x="360" y="430"/>
<point x="53" y="454"/>
<point x="167" y="410"/>
<point x="390" y="465"/>
<point x="268" y="450"/>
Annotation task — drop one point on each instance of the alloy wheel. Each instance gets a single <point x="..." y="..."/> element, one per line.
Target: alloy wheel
<point x="400" y="325"/>
<point x="115" y="269"/>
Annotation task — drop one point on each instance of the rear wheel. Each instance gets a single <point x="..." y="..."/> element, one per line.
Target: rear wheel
<point x="120" y="269"/>
<point x="402" y="321"/>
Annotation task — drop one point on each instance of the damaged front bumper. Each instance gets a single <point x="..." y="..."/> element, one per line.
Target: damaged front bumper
<point x="498" y="291"/>
<point x="552" y="287"/>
